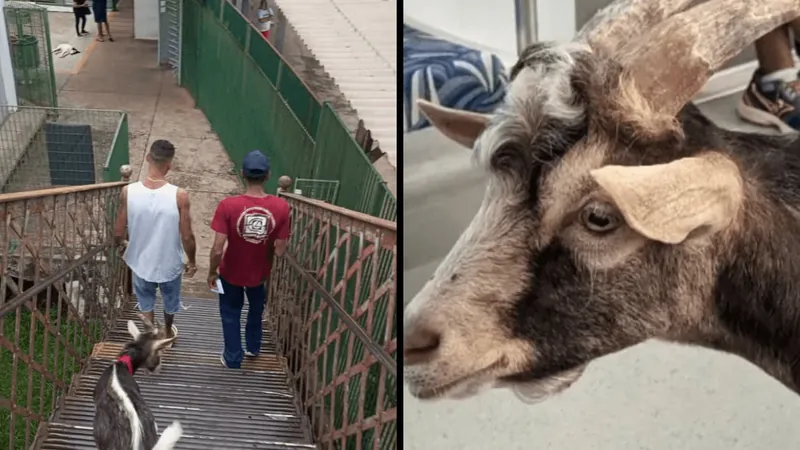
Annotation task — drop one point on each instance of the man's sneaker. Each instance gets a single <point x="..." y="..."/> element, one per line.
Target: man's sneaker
<point x="222" y="360"/>
<point x="250" y="354"/>
<point x="771" y="103"/>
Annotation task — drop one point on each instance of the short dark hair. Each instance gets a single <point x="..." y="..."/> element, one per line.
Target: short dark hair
<point x="162" y="151"/>
<point x="256" y="180"/>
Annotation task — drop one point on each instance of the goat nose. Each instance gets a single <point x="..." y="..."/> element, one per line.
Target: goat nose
<point x="419" y="344"/>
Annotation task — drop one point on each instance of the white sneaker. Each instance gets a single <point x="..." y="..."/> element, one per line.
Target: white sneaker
<point x="251" y="355"/>
<point x="222" y="360"/>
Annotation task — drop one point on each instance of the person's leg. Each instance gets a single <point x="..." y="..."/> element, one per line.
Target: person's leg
<point x="83" y="24"/>
<point x="108" y="32"/>
<point x="145" y="292"/>
<point x="256" y="298"/>
<point x="772" y="98"/>
<point x="231" y="302"/>
<point x="99" y="11"/>
<point x="773" y="51"/>
<point x="171" y="293"/>
<point x="795" y="27"/>
<point x="77" y="20"/>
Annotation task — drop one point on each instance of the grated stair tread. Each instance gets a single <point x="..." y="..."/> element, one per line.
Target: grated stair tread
<point x="79" y="437"/>
<point x="218" y="408"/>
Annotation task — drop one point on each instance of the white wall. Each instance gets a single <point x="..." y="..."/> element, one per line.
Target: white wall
<point x="489" y="25"/>
<point x="145" y="19"/>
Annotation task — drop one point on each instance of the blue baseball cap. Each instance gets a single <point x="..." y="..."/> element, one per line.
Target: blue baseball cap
<point x="255" y="164"/>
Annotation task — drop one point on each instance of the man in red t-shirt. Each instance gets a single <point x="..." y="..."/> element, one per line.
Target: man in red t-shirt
<point x="251" y="224"/>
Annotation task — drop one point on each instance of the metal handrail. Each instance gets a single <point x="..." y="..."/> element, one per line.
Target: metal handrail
<point x="366" y="218"/>
<point x="29" y="294"/>
<point x="28" y="195"/>
<point x="380" y="354"/>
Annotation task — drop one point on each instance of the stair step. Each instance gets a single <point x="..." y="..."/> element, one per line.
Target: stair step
<point x="213" y="393"/>
<point x="61" y="436"/>
<point x="219" y="408"/>
<point x="176" y="368"/>
<point x="199" y="420"/>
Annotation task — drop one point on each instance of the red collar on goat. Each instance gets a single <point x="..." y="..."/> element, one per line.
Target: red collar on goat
<point x="126" y="359"/>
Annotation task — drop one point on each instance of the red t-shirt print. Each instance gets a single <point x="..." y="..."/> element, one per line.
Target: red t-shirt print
<point x="251" y="224"/>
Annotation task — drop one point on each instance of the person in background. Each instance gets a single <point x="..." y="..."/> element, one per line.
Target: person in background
<point x="99" y="9"/>
<point x="265" y="16"/>
<point x="773" y="96"/>
<point x="159" y="224"/>
<point x="254" y="225"/>
<point x="80" y="8"/>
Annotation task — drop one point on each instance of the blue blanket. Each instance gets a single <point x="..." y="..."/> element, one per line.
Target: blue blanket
<point x="448" y="74"/>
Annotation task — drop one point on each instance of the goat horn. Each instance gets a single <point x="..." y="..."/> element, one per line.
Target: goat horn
<point x="624" y="21"/>
<point x="679" y="55"/>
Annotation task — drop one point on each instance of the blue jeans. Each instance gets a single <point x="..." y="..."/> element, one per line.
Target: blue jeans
<point x="230" y="310"/>
<point x="146" y="294"/>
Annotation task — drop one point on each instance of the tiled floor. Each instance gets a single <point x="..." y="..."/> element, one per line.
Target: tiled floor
<point x="654" y="396"/>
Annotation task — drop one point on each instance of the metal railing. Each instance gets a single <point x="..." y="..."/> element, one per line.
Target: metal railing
<point x="332" y="308"/>
<point x="51" y="147"/>
<point x="61" y="285"/>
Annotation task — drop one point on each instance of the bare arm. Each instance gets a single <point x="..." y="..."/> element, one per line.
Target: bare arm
<point x="282" y="240"/>
<point x="216" y="253"/>
<point x="122" y="218"/>
<point x="187" y="235"/>
<point x="280" y="247"/>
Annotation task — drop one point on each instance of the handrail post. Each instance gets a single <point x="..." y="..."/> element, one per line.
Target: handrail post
<point x="284" y="183"/>
<point x="125" y="172"/>
<point x="525" y="12"/>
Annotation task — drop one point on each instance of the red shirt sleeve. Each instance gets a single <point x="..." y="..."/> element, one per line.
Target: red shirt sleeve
<point x="285" y="228"/>
<point x="220" y="221"/>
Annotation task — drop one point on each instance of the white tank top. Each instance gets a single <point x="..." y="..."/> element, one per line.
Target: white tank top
<point x="155" y="249"/>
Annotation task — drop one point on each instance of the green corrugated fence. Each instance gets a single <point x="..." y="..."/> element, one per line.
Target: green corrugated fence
<point x="254" y="99"/>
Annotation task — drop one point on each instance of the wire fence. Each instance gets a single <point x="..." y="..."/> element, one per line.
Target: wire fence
<point x="50" y="147"/>
<point x="28" y="30"/>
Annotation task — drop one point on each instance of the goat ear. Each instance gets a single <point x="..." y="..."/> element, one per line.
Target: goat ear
<point x="463" y="127"/>
<point x="695" y="196"/>
<point x="161" y="343"/>
<point x="133" y="330"/>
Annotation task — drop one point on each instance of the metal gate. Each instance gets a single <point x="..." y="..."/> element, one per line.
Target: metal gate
<point x="169" y="36"/>
<point x="325" y="190"/>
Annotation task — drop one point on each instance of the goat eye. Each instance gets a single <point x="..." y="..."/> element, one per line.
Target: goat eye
<point x="600" y="218"/>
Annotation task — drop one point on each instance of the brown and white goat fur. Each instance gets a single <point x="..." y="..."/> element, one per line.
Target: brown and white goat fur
<point x="616" y="212"/>
<point x="122" y="419"/>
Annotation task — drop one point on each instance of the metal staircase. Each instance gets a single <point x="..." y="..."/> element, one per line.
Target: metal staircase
<point x="326" y="376"/>
<point x="218" y="408"/>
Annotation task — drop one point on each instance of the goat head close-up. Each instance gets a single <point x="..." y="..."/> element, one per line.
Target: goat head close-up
<point x="615" y="212"/>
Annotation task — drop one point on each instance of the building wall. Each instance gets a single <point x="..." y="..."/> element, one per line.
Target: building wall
<point x="145" y="19"/>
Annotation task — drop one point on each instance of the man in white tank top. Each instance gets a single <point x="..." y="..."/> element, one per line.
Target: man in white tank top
<point x="159" y="230"/>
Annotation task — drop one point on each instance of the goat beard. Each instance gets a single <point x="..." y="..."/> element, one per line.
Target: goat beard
<point x="537" y="391"/>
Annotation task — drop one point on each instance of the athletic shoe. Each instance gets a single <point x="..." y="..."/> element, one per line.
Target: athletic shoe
<point x="774" y="103"/>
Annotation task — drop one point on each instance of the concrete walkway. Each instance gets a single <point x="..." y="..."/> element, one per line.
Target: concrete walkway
<point x="124" y="75"/>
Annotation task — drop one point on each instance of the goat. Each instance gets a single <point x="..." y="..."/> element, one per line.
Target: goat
<point x="615" y="212"/>
<point x="122" y="419"/>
